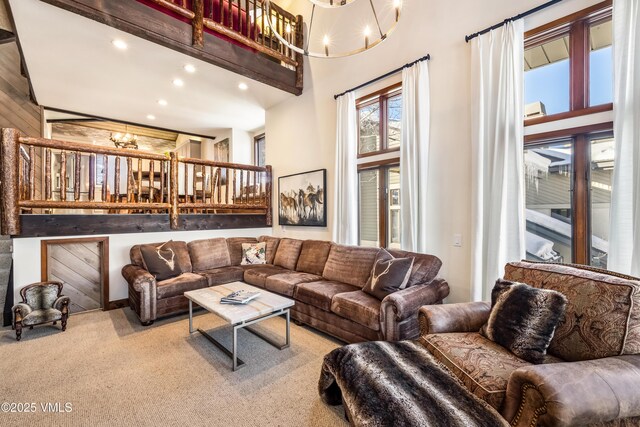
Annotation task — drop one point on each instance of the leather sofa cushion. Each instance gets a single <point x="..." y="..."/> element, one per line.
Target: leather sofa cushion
<point x="359" y="307"/>
<point x="207" y="254"/>
<point x="285" y="283"/>
<point x="218" y="276"/>
<point x="313" y="256"/>
<point x="258" y="276"/>
<point x="483" y="366"/>
<point x="349" y="264"/>
<point x="272" y="246"/>
<point x="180" y="248"/>
<point x="425" y="267"/>
<point x="234" y="245"/>
<point x="320" y="294"/>
<point x="602" y="317"/>
<point x="287" y="253"/>
<point x="179" y="285"/>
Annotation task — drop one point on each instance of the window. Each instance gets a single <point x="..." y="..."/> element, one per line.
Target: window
<point x="259" y="150"/>
<point x="568" y="66"/>
<point x="568" y="198"/>
<point x="379" y="121"/>
<point x="568" y="170"/>
<point x="379" y="206"/>
<point x="379" y="131"/>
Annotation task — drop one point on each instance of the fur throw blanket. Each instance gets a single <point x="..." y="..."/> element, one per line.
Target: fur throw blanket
<point x="399" y="384"/>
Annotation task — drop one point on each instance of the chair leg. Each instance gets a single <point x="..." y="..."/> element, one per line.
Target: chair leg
<point x="18" y="331"/>
<point x="63" y="321"/>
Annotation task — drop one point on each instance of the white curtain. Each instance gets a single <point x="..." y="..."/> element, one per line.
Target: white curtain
<point x="414" y="157"/>
<point x="624" y="240"/>
<point x="345" y="189"/>
<point x="497" y="165"/>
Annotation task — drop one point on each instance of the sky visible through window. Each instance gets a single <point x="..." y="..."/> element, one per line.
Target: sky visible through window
<point x="550" y="84"/>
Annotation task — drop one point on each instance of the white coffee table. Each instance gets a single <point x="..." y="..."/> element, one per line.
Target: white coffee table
<point x="263" y="307"/>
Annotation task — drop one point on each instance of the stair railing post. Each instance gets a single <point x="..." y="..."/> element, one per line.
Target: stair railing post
<point x="10" y="182"/>
<point x="173" y="190"/>
<point x="269" y="185"/>
<point x="198" y="23"/>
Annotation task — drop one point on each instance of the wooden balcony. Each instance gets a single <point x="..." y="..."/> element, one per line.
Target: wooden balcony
<point x="232" y="34"/>
<point x="56" y="187"/>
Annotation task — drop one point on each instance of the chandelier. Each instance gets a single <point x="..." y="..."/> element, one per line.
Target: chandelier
<point x="378" y="19"/>
<point x="124" y="140"/>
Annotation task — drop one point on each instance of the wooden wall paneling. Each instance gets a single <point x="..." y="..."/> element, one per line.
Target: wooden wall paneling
<point x="16" y="108"/>
<point x="82" y="225"/>
<point x="82" y="265"/>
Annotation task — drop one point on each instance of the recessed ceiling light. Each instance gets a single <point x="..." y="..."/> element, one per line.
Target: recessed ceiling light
<point x="162" y="102"/>
<point x="243" y="86"/>
<point x="151" y="117"/>
<point x="178" y="82"/>
<point x="189" y="68"/>
<point x="120" y="44"/>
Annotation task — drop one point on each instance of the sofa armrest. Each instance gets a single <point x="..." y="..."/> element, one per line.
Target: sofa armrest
<point x="461" y="317"/>
<point x="402" y="307"/>
<point x="574" y="393"/>
<point x="145" y="283"/>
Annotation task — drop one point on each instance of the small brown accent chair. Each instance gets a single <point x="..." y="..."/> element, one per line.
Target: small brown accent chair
<point x="42" y="302"/>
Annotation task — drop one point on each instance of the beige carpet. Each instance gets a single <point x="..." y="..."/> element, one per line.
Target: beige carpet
<point x="113" y="371"/>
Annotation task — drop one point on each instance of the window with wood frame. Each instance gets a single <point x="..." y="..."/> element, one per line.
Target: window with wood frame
<point x="259" y="146"/>
<point x="379" y="130"/>
<point x="568" y="66"/>
<point x="568" y="196"/>
<point x="568" y="171"/>
<point x="380" y="121"/>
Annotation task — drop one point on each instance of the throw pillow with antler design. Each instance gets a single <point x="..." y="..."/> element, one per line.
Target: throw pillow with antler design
<point x="388" y="275"/>
<point x="161" y="261"/>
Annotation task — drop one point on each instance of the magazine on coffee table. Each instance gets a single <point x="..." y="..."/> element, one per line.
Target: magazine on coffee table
<point x="239" y="297"/>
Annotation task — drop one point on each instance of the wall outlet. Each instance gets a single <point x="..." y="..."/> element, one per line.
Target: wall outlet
<point x="457" y="240"/>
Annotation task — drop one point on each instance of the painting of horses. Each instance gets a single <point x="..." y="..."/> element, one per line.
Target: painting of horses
<point x="302" y="199"/>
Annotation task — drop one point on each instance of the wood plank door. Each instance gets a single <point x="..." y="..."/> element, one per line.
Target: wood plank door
<point x="81" y="266"/>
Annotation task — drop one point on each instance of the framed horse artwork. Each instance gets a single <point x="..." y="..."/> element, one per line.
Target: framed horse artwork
<point x="302" y="199"/>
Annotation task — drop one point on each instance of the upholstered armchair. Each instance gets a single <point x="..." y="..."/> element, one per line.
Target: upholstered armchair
<point x="42" y="302"/>
<point x="590" y="374"/>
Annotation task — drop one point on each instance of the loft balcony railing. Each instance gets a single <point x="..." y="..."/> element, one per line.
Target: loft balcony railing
<point x="243" y="22"/>
<point x="46" y="176"/>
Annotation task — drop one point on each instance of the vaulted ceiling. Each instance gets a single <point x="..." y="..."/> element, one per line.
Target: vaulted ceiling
<point x="74" y="66"/>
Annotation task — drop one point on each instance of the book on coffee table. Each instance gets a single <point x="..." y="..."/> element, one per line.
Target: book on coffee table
<point x="239" y="297"/>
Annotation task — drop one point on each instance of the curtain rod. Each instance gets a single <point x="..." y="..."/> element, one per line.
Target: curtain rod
<point x="384" y="76"/>
<point x="513" y="18"/>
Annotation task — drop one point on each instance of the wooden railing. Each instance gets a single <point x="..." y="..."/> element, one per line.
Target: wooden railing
<point x="48" y="176"/>
<point x="244" y="21"/>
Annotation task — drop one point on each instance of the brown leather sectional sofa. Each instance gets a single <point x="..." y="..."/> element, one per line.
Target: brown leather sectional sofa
<point x="325" y="279"/>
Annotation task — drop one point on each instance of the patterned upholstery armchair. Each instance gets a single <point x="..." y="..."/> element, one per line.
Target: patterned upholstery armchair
<point x="41" y="303"/>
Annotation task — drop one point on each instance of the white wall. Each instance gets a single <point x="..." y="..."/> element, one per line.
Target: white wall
<point x="26" y="254"/>
<point x="241" y="146"/>
<point x="301" y="131"/>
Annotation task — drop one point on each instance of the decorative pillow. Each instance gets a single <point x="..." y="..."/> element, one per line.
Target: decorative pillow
<point x="254" y="253"/>
<point x="388" y="275"/>
<point x="161" y="261"/>
<point x="523" y="319"/>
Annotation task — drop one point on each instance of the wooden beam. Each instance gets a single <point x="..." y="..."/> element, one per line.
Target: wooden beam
<point x="142" y="21"/>
<point x="82" y="225"/>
